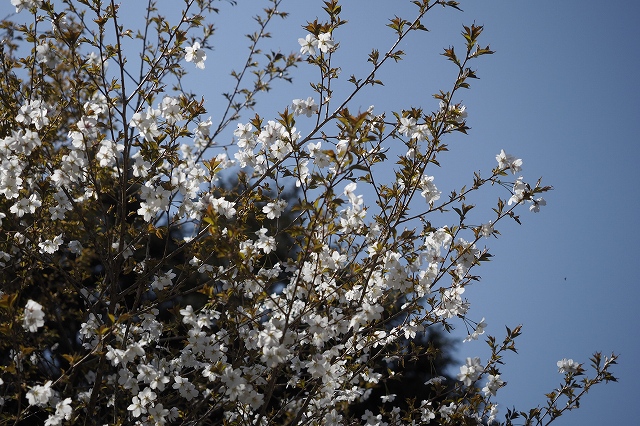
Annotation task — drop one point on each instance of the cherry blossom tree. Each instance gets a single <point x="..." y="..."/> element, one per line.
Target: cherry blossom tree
<point x="137" y="288"/>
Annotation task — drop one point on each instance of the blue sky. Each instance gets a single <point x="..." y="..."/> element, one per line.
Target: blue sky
<point x="561" y="94"/>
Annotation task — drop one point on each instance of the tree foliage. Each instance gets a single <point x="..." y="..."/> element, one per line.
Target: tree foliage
<point x="138" y="288"/>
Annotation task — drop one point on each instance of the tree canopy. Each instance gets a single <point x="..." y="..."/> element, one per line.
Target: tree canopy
<point x="140" y="285"/>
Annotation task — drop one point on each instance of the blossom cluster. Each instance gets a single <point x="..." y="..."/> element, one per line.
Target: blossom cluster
<point x="188" y="299"/>
<point x="323" y="42"/>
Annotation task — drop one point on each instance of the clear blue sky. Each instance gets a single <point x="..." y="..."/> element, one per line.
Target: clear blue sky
<point x="561" y="93"/>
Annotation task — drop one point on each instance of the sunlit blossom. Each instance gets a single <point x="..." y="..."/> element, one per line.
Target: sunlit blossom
<point x="196" y="55"/>
<point x="40" y="395"/>
<point x="51" y="246"/>
<point x="33" y="316"/>
<point x="308" y="45"/>
<point x="567" y="366"/>
<point x="26" y="4"/>
<point x="325" y="42"/>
